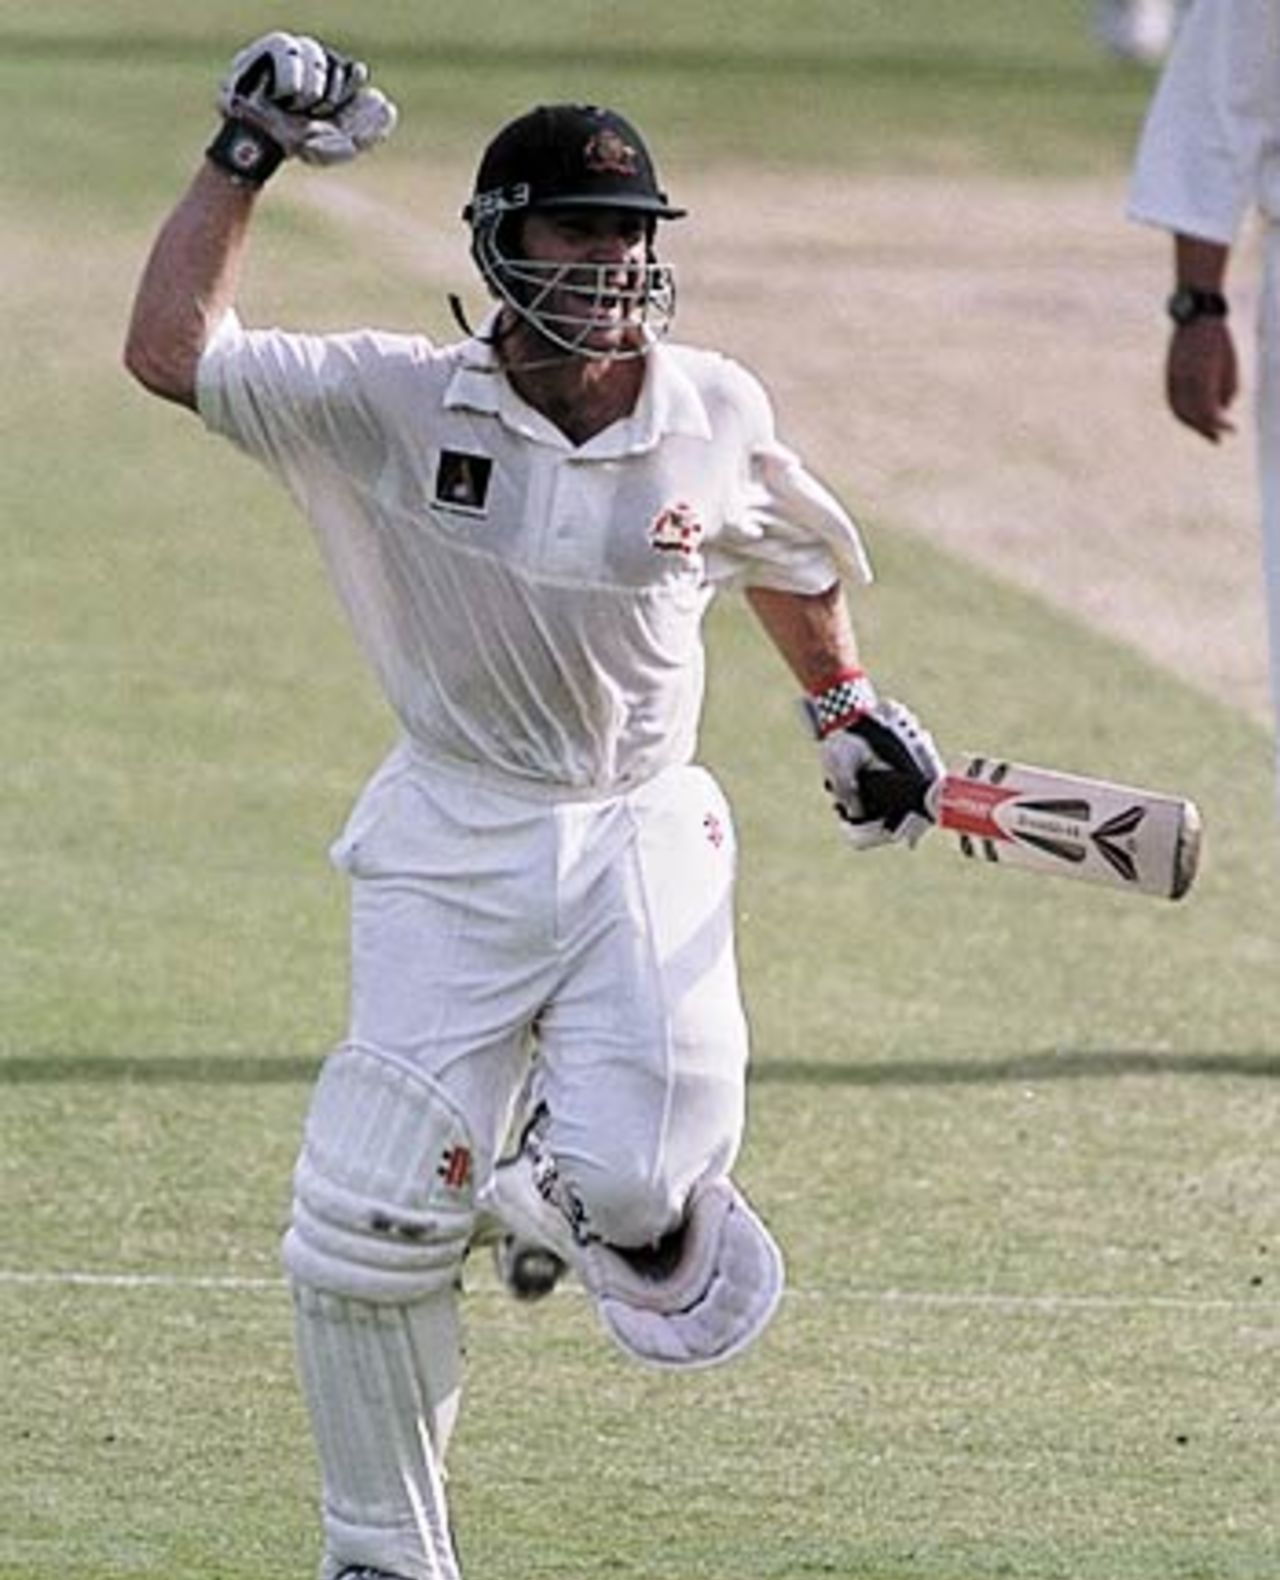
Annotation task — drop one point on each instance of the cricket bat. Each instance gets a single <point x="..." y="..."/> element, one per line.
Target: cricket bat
<point x="1013" y="815"/>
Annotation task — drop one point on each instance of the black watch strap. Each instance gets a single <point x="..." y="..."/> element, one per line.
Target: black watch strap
<point x="1187" y="304"/>
<point x="249" y="155"/>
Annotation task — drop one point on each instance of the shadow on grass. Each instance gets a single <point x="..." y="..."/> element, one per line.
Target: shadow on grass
<point x="238" y="1070"/>
<point x="1102" y="1064"/>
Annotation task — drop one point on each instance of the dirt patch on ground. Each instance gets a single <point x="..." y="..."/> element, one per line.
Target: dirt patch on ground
<point x="981" y="363"/>
<point x="978" y="362"/>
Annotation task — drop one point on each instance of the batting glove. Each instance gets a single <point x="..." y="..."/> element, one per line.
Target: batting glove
<point x="289" y="96"/>
<point x="879" y="763"/>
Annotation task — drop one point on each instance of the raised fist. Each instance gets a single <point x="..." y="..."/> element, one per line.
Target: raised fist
<point x="306" y="99"/>
<point x="292" y="74"/>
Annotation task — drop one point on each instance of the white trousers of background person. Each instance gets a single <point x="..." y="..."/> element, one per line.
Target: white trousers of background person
<point x="1268" y="423"/>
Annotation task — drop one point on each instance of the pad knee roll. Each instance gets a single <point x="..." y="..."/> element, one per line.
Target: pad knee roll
<point x="384" y="1189"/>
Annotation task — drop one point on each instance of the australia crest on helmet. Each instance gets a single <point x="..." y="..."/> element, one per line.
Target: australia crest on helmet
<point x="607" y="152"/>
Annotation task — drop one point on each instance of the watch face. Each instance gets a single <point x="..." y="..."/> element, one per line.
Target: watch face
<point x="1187" y="304"/>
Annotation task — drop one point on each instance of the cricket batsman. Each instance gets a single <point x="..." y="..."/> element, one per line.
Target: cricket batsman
<point x="525" y="529"/>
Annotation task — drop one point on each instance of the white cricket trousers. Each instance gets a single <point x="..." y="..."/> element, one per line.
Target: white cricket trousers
<point x="488" y="925"/>
<point x="487" y="928"/>
<point x="1268" y="418"/>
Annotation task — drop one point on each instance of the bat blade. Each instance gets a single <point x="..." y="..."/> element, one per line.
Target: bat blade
<point x="1093" y="830"/>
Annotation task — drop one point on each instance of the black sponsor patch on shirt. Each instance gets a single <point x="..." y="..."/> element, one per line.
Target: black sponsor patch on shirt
<point x="462" y="481"/>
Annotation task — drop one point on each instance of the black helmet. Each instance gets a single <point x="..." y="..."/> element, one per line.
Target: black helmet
<point x="570" y="156"/>
<point x="567" y="156"/>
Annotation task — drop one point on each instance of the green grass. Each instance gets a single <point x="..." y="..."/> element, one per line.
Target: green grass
<point x="868" y="84"/>
<point x="1016" y="1136"/>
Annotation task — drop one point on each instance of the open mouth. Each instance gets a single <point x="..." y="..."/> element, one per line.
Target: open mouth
<point x="608" y="309"/>
<point x="597" y="295"/>
<point x="594" y="311"/>
<point x="598" y="309"/>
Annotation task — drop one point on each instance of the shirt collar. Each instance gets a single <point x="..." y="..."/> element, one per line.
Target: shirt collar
<point x="670" y="402"/>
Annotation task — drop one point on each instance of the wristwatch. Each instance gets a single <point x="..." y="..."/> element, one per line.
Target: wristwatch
<point x="1187" y="304"/>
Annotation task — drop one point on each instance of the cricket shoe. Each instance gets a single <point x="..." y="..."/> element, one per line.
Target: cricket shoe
<point x="365" y="1573"/>
<point x="528" y="1271"/>
<point x="535" y="1240"/>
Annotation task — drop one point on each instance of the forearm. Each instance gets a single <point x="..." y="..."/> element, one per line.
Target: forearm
<point x="1198" y="264"/>
<point x="189" y="282"/>
<point x="813" y="632"/>
<point x="1201" y="378"/>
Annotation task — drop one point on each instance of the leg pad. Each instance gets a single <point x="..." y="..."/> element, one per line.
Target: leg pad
<point x="710" y="1294"/>
<point x="384" y="1194"/>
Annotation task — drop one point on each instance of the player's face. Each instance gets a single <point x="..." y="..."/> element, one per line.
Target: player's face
<point x="596" y="273"/>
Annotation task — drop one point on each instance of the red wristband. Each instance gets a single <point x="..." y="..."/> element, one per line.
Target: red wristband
<point x="839" y="703"/>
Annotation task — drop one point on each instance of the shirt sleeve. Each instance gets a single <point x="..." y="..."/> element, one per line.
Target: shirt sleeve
<point x="1212" y="122"/>
<point x="788" y="531"/>
<point x="294" y="401"/>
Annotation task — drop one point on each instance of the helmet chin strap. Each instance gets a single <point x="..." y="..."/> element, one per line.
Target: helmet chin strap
<point x="496" y="335"/>
<point x="501" y="333"/>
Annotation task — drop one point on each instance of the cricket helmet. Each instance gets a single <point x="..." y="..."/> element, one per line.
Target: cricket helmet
<point x="568" y="156"/>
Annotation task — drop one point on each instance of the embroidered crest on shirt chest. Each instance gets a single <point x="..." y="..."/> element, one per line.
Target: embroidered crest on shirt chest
<point x="676" y="530"/>
<point x="462" y="481"/>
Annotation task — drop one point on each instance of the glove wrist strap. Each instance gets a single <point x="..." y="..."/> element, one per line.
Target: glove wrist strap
<point x="840" y="702"/>
<point x="245" y="152"/>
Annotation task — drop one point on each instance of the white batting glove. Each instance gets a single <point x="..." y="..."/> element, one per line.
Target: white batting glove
<point x="364" y="121"/>
<point x="879" y="764"/>
<point x="290" y="96"/>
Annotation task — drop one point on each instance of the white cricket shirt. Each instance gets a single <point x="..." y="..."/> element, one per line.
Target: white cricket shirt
<point x="1210" y="146"/>
<point x="532" y="609"/>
